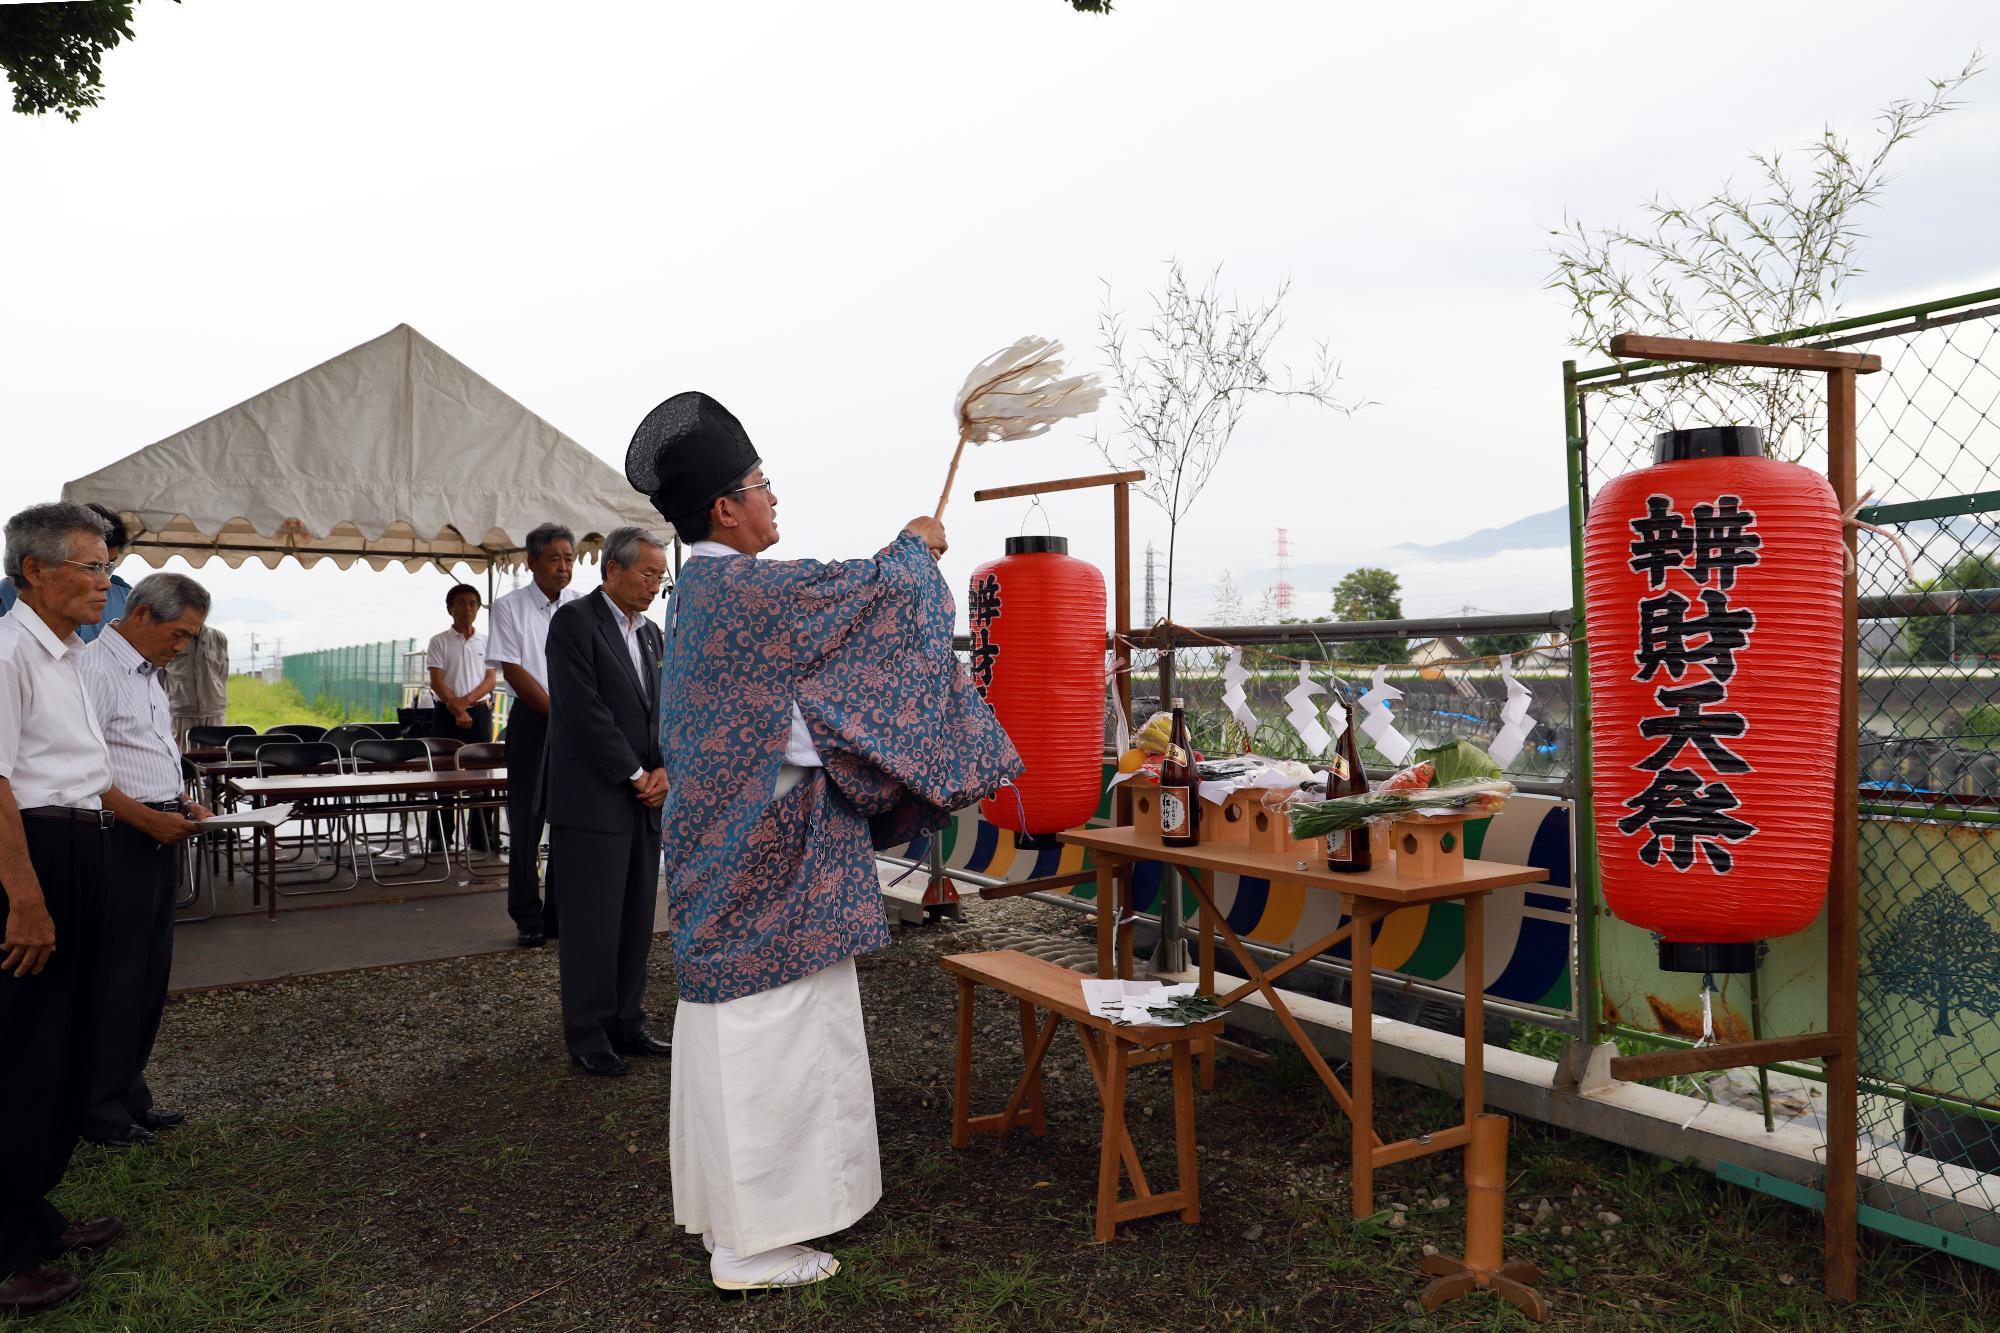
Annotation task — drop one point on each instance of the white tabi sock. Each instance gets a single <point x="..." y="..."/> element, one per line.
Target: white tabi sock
<point x="786" y="1266"/>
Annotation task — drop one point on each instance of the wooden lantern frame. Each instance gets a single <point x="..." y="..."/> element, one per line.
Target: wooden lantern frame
<point x="1837" y="1047"/>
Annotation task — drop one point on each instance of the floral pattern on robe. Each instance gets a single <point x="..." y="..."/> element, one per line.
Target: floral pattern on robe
<point x="763" y="891"/>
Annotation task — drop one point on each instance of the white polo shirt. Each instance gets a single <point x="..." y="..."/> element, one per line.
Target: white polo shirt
<point x="462" y="658"/>
<point x="51" y="749"/>
<point x="520" y="623"/>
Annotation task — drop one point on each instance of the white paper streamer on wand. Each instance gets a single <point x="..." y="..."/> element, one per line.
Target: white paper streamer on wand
<point x="1114" y="666"/>
<point x="1337" y="717"/>
<point x="1304" y="716"/>
<point x="1515" y="724"/>
<point x="1379" y="726"/>
<point x="1233" y="697"/>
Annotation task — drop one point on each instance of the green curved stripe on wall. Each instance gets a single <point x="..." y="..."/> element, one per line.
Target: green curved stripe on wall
<point x="1441" y="948"/>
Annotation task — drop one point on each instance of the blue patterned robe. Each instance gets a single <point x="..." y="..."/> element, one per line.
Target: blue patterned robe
<point x="763" y="891"/>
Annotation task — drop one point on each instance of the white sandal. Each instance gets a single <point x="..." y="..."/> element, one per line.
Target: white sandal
<point x="786" y="1266"/>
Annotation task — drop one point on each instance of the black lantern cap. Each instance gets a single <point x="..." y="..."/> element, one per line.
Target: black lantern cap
<point x="1675" y="446"/>
<point x="1038" y="545"/>
<point x="1676" y="956"/>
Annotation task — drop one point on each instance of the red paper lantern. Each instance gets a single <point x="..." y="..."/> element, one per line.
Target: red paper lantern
<point x="1712" y="592"/>
<point x="1037" y="620"/>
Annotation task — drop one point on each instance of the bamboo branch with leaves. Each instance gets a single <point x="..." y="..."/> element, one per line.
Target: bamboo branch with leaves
<point x="1741" y="264"/>
<point x="1184" y="381"/>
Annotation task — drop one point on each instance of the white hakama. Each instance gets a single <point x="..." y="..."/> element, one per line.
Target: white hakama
<point x="772" y="1131"/>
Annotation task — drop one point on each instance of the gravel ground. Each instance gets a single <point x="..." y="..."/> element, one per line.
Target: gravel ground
<point x="449" y="1171"/>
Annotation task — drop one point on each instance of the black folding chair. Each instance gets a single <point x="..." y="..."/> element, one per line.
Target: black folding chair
<point x="278" y="757"/>
<point x="214" y="738"/>
<point x="342" y="738"/>
<point x="305" y="731"/>
<point x="400" y="754"/>
<point x="197" y="857"/>
<point x="472" y="756"/>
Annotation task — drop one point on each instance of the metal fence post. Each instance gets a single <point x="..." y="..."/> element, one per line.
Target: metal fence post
<point x="1583" y="835"/>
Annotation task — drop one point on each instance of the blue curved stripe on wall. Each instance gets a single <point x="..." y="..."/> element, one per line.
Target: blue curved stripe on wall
<point x="1047" y="862"/>
<point x="1550" y="849"/>
<point x="986" y="842"/>
<point x="1541" y="954"/>
<point x="1248" y="909"/>
<point x="1145" y="885"/>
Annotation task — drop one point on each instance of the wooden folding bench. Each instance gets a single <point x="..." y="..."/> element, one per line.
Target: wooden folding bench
<point x="1040" y="985"/>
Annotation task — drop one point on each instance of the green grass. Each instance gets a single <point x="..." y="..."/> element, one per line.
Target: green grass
<point x="217" y="1230"/>
<point x="253" y="702"/>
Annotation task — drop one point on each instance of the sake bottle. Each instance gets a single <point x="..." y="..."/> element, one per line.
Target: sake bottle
<point x="1180" y="788"/>
<point x="1347" y="849"/>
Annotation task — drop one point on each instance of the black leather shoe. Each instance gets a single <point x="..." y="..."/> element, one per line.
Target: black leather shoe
<point x="95" y="1234"/>
<point x="39" y="1288"/>
<point x="530" y="939"/>
<point x="154" y="1118"/>
<point x="124" y="1136"/>
<point x="604" y="1064"/>
<point x="645" y="1044"/>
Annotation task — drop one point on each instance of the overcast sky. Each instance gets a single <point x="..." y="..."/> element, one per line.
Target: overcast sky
<point x="824" y="214"/>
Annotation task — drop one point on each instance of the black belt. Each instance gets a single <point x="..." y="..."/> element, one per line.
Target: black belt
<point x="71" y="815"/>
<point x="170" y="807"/>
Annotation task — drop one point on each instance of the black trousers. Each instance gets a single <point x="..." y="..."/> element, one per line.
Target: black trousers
<point x="610" y="882"/>
<point x="532" y="906"/>
<point x="484" y="824"/>
<point x="134" y="960"/>
<point x="48" y="1041"/>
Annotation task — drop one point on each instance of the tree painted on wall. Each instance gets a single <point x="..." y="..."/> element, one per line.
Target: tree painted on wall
<point x="1941" y="953"/>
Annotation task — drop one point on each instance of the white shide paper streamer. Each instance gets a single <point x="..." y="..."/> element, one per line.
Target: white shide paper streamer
<point x="1233" y="697"/>
<point x="1515" y="724"/>
<point x="1379" y="726"/>
<point x="1304" y="716"/>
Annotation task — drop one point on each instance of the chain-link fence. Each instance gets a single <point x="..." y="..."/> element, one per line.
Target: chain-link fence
<point x="1929" y="663"/>
<point x="361" y="682"/>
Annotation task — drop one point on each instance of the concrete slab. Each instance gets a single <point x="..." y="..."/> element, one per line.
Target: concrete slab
<point x="244" y="950"/>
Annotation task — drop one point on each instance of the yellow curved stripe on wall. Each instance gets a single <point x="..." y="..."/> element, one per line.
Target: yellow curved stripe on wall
<point x="1401" y="933"/>
<point x="1284" y="904"/>
<point x="1003" y="856"/>
<point x="1072" y="861"/>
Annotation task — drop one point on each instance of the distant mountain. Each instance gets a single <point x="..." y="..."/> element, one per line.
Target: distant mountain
<point x="1535" y="532"/>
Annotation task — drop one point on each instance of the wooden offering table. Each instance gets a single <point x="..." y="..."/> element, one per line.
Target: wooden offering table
<point x="1366" y="897"/>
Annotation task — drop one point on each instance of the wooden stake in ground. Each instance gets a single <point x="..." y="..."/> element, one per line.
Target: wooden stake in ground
<point x="1016" y="394"/>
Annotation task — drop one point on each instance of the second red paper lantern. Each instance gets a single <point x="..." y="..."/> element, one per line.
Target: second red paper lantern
<point x="1037" y="622"/>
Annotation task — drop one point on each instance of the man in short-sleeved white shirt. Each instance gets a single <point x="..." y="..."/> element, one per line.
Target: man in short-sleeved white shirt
<point x="54" y="771"/>
<point x="461" y="684"/>
<point x="518" y="648"/>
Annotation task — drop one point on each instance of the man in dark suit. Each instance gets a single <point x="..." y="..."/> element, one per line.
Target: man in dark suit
<point x="602" y="787"/>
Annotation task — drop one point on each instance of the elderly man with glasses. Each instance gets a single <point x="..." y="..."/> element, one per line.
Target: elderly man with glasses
<point x="602" y="788"/>
<point x="124" y="675"/>
<point x="54" y="772"/>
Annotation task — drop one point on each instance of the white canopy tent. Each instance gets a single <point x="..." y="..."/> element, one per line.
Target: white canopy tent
<point x="392" y="452"/>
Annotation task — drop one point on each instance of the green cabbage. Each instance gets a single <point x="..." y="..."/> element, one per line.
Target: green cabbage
<point x="1458" y="761"/>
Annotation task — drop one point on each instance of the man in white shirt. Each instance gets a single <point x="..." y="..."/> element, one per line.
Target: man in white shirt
<point x="519" y="650"/>
<point x="125" y="679"/>
<point x="54" y="771"/>
<point x="461" y="682"/>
